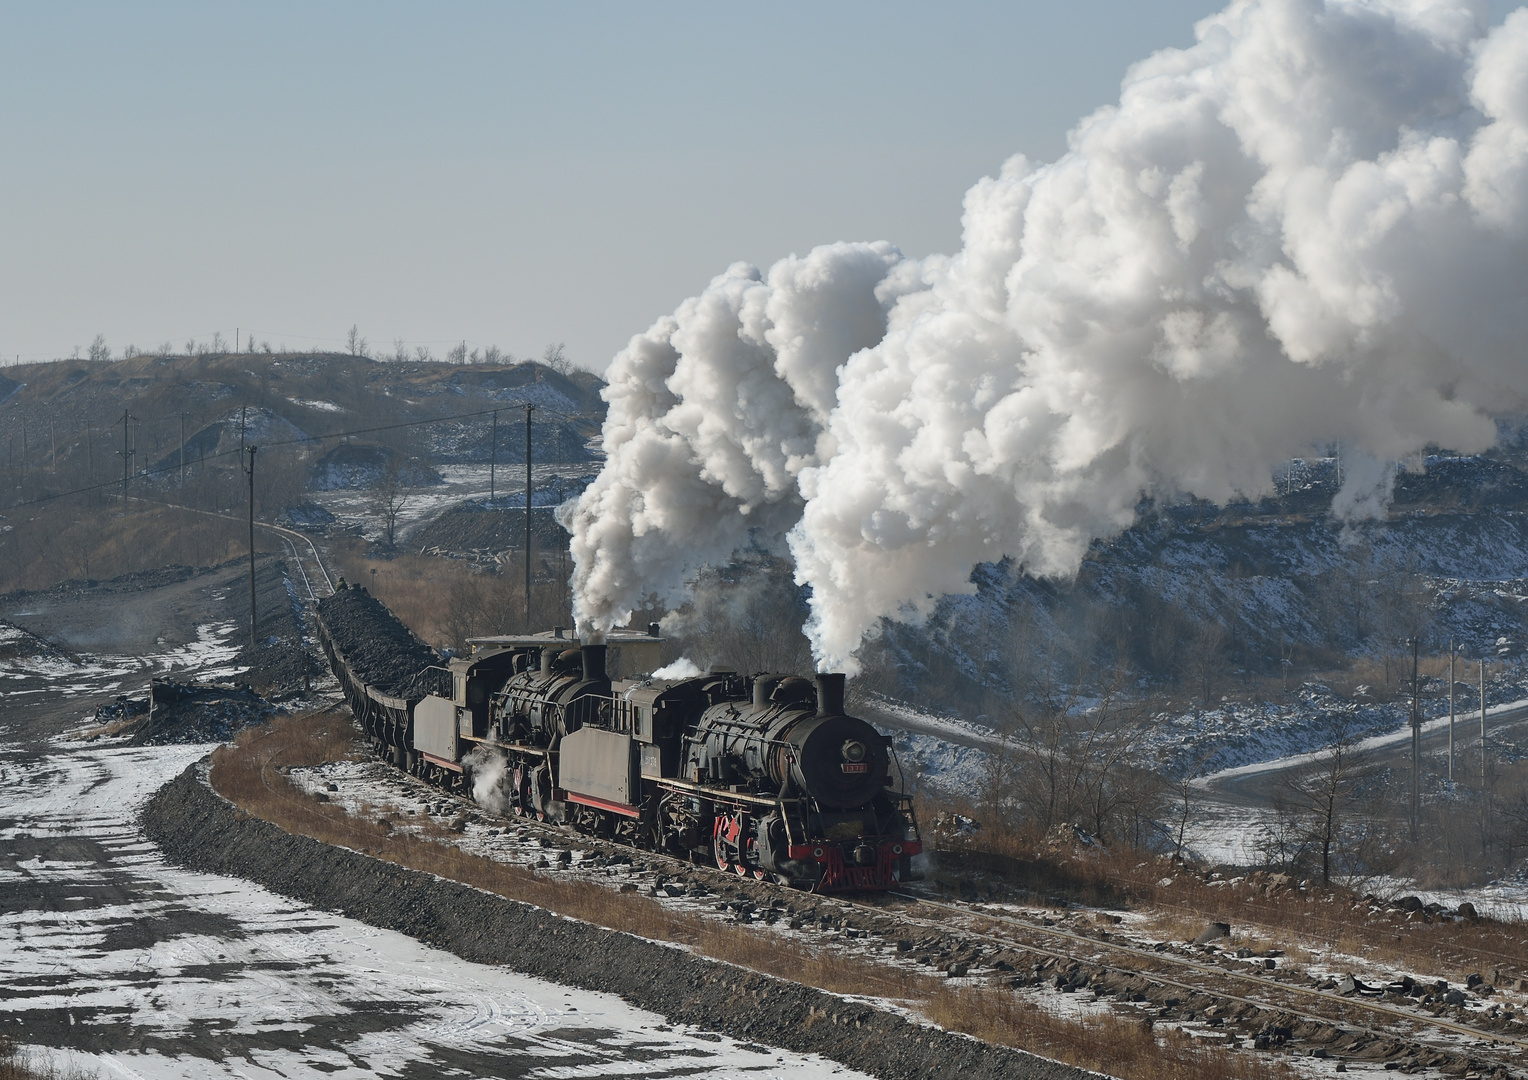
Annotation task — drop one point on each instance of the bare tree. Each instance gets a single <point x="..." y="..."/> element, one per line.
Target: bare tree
<point x="1319" y="799"/>
<point x="391" y="495"/>
<point x="556" y="358"/>
<point x="1183" y="799"/>
<point x="354" y="342"/>
<point x="99" y="350"/>
<point x="400" y="351"/>
<point x="1206" y="659"/>
<point x="458" y="354"/>
<point x="1081" y="762"/>
<point x="423" y="355"/>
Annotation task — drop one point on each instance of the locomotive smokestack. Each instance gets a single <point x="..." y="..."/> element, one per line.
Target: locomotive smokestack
<point x="763" y="686"/>
<point x="547" y="656"/>
<point x="594" y="662"/>
<point x="830" y="693"/>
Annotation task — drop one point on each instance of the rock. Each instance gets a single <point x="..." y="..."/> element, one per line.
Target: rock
<point x="1215" y="931"/>
<point x="1467" y="911"/>
<point x="1409" y="903"/>
<point x="1349" y="985"/>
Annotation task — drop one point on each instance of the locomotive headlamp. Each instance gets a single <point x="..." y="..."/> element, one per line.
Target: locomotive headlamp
<point x="853" y="751"/>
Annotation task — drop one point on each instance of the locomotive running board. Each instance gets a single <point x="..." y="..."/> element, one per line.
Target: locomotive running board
<point x="442" y="762"/>
<point x="599" y="804"/>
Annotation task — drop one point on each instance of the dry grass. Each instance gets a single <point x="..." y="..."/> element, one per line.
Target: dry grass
<point x="17" y="1064"/>
<point x="1111" y="1044"/>
<point x="249" y="772"/>
<point x="445" y="601"/>
<point x="1298" y="921"/>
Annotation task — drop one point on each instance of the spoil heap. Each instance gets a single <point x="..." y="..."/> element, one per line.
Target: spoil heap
<point x="188" y="712"/>
<point x="18" y="645"/>
<point x="383" y="652"/>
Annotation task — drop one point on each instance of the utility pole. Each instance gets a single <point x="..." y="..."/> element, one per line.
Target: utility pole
<point x="528" y="410"/>
<point x="251" y="470"/>
<point x="493" y="454"/>
<point x="181" y="480"/>
<point x="1485" y="801"/>
<point x="127" y="468"/>
<point x="243" y="409"/>
<point x="23" y="461"/>
<point x="1416" y="740"/>
<point x="1452" y="652"/>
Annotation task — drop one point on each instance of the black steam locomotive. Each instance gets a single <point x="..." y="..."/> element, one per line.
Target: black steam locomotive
<point x="763" y="774"/>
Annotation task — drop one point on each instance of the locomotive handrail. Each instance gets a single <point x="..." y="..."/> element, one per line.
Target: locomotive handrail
<point x="718" y="793"/>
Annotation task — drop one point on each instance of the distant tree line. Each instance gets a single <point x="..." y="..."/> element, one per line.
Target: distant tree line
<point x="553" y="356"/>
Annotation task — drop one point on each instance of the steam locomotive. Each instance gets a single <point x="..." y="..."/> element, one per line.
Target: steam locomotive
<point x="764" y="775"/>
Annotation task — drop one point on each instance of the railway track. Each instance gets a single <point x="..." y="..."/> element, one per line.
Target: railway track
<point x="1243" y="987"/>
<point x="294" y="541"/>
<point x="1401" y="1034"/>
<point x="1187" y="988"/>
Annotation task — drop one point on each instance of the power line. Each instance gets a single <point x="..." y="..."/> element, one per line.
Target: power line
<point x="305" y="440"/>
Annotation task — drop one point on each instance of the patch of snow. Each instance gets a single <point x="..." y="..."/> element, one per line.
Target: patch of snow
<point x="230" y="958"/>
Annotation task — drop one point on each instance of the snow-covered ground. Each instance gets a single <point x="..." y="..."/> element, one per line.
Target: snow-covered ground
<point x="195" y="975"/>
<point x="462" y="482"/>
<point x="208" y="657"/>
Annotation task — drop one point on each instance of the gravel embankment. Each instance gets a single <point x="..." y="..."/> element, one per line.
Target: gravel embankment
<point x="199" y="830"/>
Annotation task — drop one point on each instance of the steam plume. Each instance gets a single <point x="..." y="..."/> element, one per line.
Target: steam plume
<point x="1310" y="226"/>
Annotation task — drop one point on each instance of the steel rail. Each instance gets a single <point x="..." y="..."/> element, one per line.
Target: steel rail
<point x="312" y="597"/>
<point x="291" y="534"/>
<point x="1206" y="968"/>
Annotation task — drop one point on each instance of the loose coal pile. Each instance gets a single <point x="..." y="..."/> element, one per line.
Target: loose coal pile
<point x="473" y="530"/>
<point x="188" y="713"/>
<point x="19" y="644"/>
<point x="383" y="652"/>
<point x="281" y="664"/>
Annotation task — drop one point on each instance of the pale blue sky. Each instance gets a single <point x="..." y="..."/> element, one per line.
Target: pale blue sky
<point x="503" y="173"/>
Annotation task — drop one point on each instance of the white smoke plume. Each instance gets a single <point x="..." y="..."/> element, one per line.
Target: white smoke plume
<point x="488" y="767"/>
<point x="1311" y="226"/>
<point x="683" y="668"/>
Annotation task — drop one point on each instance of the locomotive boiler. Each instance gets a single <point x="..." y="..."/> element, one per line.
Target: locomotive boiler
<point x="762" y="774"/>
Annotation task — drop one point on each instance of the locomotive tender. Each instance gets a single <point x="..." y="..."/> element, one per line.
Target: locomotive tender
<point x="764" y="774"/>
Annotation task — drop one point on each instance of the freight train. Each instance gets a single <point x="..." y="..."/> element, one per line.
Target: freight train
<point x="764" y="775"/>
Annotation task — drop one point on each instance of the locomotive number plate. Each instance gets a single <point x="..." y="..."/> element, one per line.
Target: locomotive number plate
<point x="855" y="766"/>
